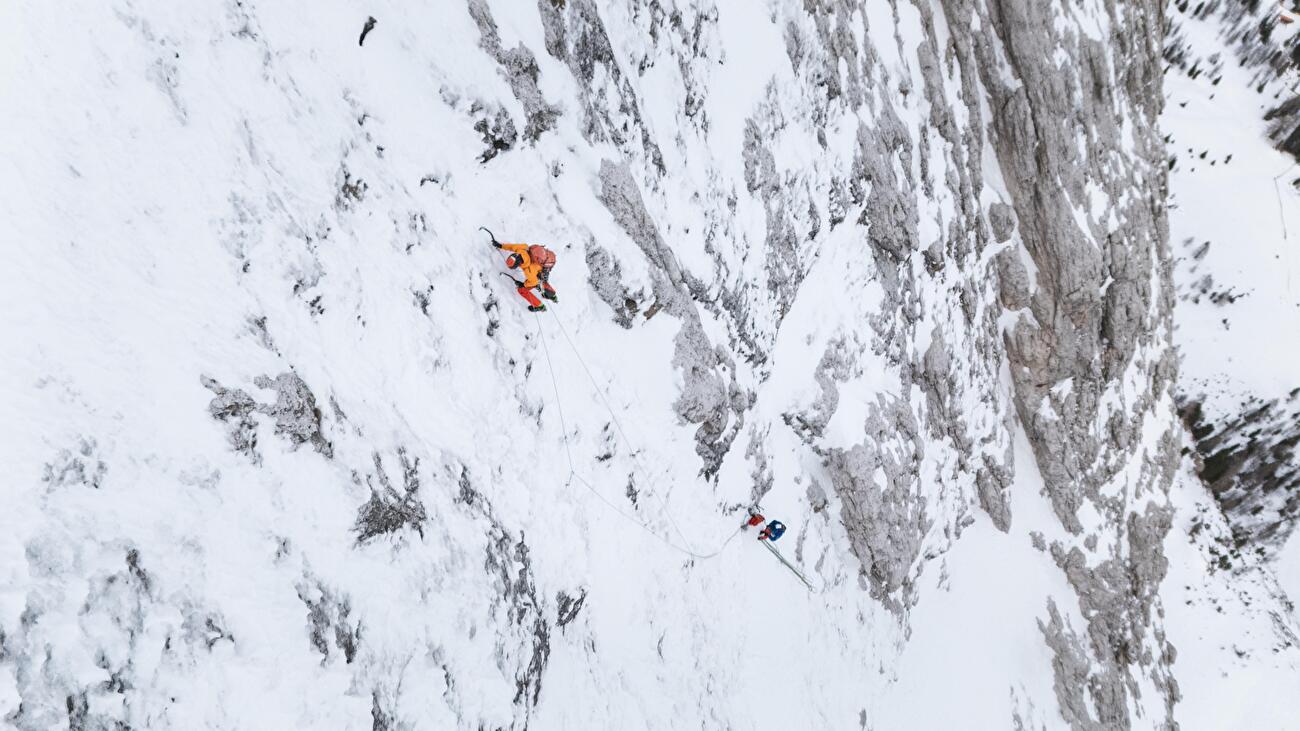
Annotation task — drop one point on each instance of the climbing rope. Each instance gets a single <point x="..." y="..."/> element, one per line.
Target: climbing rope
<point x="573" y="472"/>
<point x="564" y="429"/>
<point x="618" y="425"/>
<point x="1277" y="190"/>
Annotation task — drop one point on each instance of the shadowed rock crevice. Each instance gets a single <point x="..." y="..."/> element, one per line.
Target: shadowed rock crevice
<point x="1251" y="463"/>
<point x="510" y="565"/>
<point x="331" y="629"/>
<point x="523" y="648"/>
<point x="390" y="510"/>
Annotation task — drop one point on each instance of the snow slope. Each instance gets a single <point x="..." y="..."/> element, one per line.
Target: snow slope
<point x="1232" y="224"/>
<point x="285" y="451"/>
<point x="1229" y="187"/>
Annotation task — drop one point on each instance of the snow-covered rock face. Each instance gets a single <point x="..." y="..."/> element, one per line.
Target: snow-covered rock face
<point x="285" y="451"/>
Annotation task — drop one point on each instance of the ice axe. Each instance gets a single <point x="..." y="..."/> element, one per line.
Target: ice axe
<point x="490" y="234"/>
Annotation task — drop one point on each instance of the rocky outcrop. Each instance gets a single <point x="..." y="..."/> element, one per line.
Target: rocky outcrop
<point x="611" y="109"/>
<point x="882" y="509"/>
<point x="1117" y="597"/>
<point x="332" y="630"/>
<point x="1093" y="314"/>
<point x="1081" y="334"/>
<point x="708" y="397"/>
<point x="519" y="67"/>
<point x="390" y="510"/>
<point x="296" y="416"/>
<point x="235" y="408"/>
<point x="605" y="276"/>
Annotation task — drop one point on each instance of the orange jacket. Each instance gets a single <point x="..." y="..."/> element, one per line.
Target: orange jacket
<point x="530" y="268"/>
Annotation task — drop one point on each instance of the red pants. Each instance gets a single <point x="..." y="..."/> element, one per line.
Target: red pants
<point x="532" y="299"/>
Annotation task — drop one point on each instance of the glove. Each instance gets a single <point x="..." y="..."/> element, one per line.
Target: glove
<point x="496" y="243"/>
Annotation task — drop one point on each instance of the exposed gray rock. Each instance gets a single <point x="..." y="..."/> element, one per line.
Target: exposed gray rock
<point x="1002" y="219"/>
<point x="1117" y="597"/>
<point x="890" y="209"/>
<point x="1037" y="540"/>
<point x="606" y="279"/>
<point x="330" y="624"/>
<point x="520" y="69"/>
<point x="389" y="510"/>
<point x="498" y="133"/>
<point x="833" y="368"/>
<point x="235" y="408"/>
<point x="926" y="283"/>
<point x="707" y="397"/>
<point x="881" y="507"/>
<point x="1076" y="334"/>
<point x="761" y="476"/>
<point x="936" y="380"/>
<point x="296" y="416"/>
<point x="621" y="195"/>
<point x="295" y="413"/>
<point x="993" y="482"/>
<point x="1013" y="280"/>
<point x="382" y="717"/>
<point x="760" y="166"/>
<point x="509" y="564"/>
<point x="783" y="258"/>
<point x="1087" y="702"/>
<point x="1090" y="318"/>
<point x="575" y="34"/>
<point x="567" y="607"/>
<point x="523" y="646"/>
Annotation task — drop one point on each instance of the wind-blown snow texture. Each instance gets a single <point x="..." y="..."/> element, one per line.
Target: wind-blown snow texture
<point x="283" y="450"/>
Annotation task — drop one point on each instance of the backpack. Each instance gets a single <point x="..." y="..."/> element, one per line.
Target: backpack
<point x="541" y="256"/>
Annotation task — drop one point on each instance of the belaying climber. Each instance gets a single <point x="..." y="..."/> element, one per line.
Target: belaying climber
<point x="534" y="261"/>
<point x="771" y="532"/>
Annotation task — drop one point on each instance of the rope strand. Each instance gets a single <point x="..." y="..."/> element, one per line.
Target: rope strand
<point x="618" y="425"/>
<point x="564" y="429"/>
<point x="573" y="473"/>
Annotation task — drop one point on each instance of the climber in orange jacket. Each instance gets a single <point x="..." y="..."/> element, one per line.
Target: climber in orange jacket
<point x="534" y="262"/>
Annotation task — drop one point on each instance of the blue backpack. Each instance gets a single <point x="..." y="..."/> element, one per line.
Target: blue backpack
<point x="775" y="530"/>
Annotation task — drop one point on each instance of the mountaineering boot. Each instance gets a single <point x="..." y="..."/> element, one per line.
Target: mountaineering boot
<point x="537" y="308"/>
<point x="550" y="295"/>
